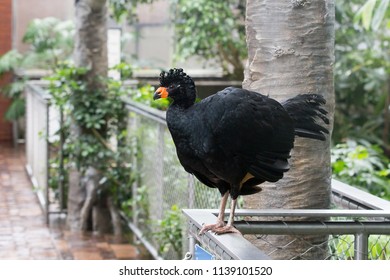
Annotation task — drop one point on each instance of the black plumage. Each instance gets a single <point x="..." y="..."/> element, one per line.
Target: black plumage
<point x="236" y="139"/>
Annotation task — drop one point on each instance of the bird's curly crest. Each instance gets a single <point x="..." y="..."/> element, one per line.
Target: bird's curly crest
<point x="174" y="75"/>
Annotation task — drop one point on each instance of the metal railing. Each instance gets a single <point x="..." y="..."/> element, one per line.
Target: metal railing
<point x="43" y="121"/>
<point x="361" y="224"/>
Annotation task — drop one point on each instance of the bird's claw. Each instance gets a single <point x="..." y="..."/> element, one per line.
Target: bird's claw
<point x="226" y="229"/>
<point x="211" y="227"/>
<point x="219" y="228"/>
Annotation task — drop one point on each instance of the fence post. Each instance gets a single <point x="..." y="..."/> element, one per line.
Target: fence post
<point x="61" y="162"/>
<point x="191" y="191"/>
<point x="160" y="172"/>
<point x="134" y="125"/>
<point x="191" y="246"/>
<point x="361" y="246"/>
<point x="47" y="195"/>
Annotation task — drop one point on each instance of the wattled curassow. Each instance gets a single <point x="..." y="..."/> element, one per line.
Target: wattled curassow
<point x="236" y="139"/>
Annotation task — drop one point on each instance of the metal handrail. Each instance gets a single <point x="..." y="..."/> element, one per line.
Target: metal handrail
<point x="360" y="199"/>
<point x="227" y="246"/>
<point x="308" y="213"/>
<point x="360" y="229"/>
<point x="146" y="111"/>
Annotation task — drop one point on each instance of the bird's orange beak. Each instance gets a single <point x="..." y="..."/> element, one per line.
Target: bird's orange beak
<point x="161" y="92"/>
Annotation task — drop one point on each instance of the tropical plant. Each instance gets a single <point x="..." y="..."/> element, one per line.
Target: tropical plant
<point x="126" y="9"/>
<point x="143" y="93"/>
<point x="169" y="233"/>
<point x="50" y="41"/>
<point x="342" y="247"/>
<point x="213" y="30"/>
<point x="363" y="165"/>
<point x="362" y="71"/>
<point x="102" y="117"/>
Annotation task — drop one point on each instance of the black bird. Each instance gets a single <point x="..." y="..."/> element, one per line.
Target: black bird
<point x="236" y="139"/>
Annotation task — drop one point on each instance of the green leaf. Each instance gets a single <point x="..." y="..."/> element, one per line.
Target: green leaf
<point x="379" y="14"/>
<point x="10" y="61"/>
<point x="16" y="109"/>
<point x="365" y="13"/>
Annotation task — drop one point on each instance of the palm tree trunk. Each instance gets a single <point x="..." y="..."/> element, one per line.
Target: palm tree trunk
<point x="291" y="51"/>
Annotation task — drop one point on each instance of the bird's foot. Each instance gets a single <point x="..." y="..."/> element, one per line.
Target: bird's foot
<point x="219" y="228"/>
<point x="226" y="229"/>
<point x="211" y="227"/>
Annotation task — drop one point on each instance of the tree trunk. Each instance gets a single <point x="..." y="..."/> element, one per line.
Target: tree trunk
<point x="291" y="51"/>
<point x="91" y="37"/>
<point x="88" y="210"/>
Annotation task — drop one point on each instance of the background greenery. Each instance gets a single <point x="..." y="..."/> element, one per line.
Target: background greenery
<point x="360" y="155"/>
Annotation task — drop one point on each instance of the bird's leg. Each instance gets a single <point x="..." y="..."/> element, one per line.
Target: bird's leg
<point x="229" y="228"/>
<point x="221" y="216"/>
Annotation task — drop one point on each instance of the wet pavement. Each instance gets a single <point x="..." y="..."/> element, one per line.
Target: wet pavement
<point x="24" y="233"/>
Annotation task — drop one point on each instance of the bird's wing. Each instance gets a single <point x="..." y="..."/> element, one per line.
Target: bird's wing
<point x="250" y="128"/>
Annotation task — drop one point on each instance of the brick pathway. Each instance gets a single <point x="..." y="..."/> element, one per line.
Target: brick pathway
<point x="24" y="234"/>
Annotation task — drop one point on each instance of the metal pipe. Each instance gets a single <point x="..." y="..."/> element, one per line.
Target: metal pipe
<point x="191" y="241"/>
<point x="47" y="198"/>
<point x="361" y="246"/>
<point x="301" y="228"/>
<point x="309" y="213"/>
<point x="140" y="235"/>
<point x="61" y="162"/>
<point x="134" y="187"/>
<point x="148" y="112"/>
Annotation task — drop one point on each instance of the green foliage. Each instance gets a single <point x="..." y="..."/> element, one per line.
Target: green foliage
<point x="140" y="202"/>
<point x="362" y="70"/>
<point x="14" y="91"/>
<point x="378" y="247"/>
<point x="169" y="235"/>
<point x="144" y="94"/>
<point x="362" y="165"/>
<point x="10" y="61"/>
<point x="126" y="9"/>
<point x="342" y="247"/>
<point x="51" y="41"/>
<point x="101" y="117"/>
<point x="59" y="174"/>
<point x="16" y="109"/>
<point x="212" y="30"/>
<point x="372" y="14"/>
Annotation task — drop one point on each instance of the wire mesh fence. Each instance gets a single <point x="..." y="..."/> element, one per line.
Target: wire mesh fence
<point x="331" y="242"/>
<point x="162" y="182"/>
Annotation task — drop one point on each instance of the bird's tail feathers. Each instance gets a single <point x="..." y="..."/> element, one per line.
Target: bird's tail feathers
<point x="304" y="109"/>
